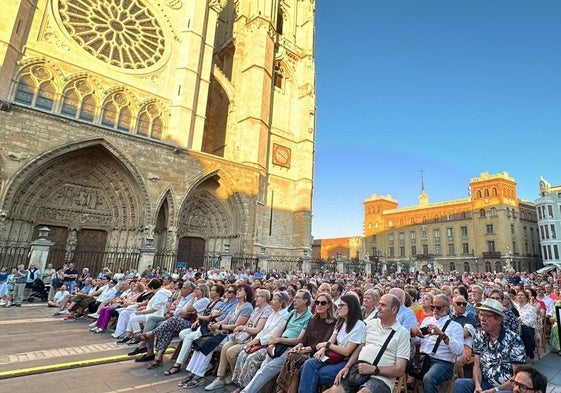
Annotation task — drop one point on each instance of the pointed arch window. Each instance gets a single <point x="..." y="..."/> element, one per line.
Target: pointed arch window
<point x="36" y="88"/>
<point x="116" y="112"/>
<point x="279" y="76"/>
<point x="78" y="101"/>
<point x="150" y="122"/>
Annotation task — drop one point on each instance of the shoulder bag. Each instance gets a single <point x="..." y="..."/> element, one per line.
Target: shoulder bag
<point x="420" y="364"/>
<point x="356" y="379"/>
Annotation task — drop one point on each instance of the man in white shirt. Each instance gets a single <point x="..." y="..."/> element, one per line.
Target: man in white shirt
<point x="450" y="343"/>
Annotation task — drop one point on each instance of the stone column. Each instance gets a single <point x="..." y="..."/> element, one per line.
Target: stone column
<point x="306" y="262"/>
<point x="40" y="248"/>
<point x="264" y="260"/>
<point x="226" y="258"/>
<point x="147" y="255"/>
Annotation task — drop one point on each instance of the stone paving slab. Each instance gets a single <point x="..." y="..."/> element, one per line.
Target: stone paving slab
<point x="32" y="338"/>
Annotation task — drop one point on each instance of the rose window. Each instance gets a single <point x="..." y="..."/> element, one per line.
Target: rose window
<point x="123" y="33"/>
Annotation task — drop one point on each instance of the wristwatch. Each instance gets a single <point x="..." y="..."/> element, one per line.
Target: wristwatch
<point x="376" y="371"/>
<point x="327" y="345"/>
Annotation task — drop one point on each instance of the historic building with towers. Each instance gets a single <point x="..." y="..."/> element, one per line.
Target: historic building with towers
<point x="186" y="127"/>
<point x="489" y="231"/>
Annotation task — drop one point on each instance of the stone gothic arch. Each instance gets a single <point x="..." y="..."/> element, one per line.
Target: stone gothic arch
<point x="88" y="184"/>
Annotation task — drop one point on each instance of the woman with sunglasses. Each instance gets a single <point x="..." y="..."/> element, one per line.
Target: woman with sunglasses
<point x="346" y="337"/>
<point x="319" y="330"/>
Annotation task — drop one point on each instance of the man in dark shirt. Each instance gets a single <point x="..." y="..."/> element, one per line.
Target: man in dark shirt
<point x="70" y="276"/>
<point x="468" y="322"/>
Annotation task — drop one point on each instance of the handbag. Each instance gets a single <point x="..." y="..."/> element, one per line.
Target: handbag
<point x="254" y="348"/>
<point x="334" y="357"/>
<point x="278" y="350"/>
<point x="420" y="364"/>
<point x="356" y="379"/>
<point x="206" y="345"/>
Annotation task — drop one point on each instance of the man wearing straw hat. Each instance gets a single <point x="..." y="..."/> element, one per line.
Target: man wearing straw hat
<point x="497" y="352"/>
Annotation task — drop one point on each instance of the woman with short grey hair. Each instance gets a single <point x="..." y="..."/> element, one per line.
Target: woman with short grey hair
<point x="249" y="360"/>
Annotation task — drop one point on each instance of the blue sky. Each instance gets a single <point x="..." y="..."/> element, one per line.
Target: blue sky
<point x="453" y="88"/>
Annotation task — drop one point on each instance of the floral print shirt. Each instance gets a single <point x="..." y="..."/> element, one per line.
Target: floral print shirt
<point x="497" y="358"/>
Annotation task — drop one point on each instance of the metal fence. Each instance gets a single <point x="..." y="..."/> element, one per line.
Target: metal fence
<point x="14" y="253"/>
<point x="96" y="259"/>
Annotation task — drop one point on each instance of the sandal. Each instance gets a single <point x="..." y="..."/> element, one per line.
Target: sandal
<point x="172" y="370"/>
<point x="155" y="364"/>
<point x="186" y="380"/>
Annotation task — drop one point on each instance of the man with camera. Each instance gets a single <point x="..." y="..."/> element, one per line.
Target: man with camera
<point x="442" y="339"/>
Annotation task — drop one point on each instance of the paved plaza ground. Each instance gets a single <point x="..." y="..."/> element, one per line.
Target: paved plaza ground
<point x="61" y="356"/>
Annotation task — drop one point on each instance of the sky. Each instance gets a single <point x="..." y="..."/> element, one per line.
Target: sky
<point x="450" y="88"/>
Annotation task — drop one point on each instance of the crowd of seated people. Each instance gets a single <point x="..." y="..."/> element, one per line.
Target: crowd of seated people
<point x="297" y="333"/>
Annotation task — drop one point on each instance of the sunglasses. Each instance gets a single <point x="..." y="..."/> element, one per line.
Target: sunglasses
<point x="436" y="307"/>
<point x="321" y="303"/>
<point x="461" y="304"/>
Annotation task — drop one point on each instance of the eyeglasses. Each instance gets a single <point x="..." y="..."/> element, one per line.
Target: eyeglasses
<point x="321" y="303"/>
<point x="436" y="307"/>
<point x="461" y="304"/>
<point x="523" y="388"/>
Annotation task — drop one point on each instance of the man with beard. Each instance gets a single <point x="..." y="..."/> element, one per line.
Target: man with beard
<point x="497" y="352"/>
<point x="450" y="338"/>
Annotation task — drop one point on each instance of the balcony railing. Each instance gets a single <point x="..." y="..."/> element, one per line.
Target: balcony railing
<point x="424" y="256"/>
<point x="491" y="254"/>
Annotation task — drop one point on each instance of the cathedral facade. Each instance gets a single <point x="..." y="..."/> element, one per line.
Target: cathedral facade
<point x="183" y="126"/>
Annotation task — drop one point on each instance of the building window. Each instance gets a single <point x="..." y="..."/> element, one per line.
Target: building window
<point x="498" y="266"/>
<point x="451" y="250"/>
<point x="553" y="233"/>
<point x="465" y="248"/>
<point x="424" y="234"/>
<point x="489" y="229"/>
<point x="488" y="267"/>
<point x="402" y="251"/>
<point x="482" y="213"/>
<point x="401" y="237"/>
<point x="413" y="236"/>
<point x="466" y="267"/>
<point x="452" y="267"/>
<point x="490" y="245"/>
<point x="413" y="250"/>
<point x="437" y="249"/>
<point x="116" y="112"/>
<point x="550" y="211"/>
<point x="437" y="234"/>
<point x="78" y="101"/>
<point x="464" y="232"/>
<point x="150" y="121"/>
<point x="36" y="88"/>
<point x="450" y="233"/>
<point x="493" y="212"/>
<point x="425" y="249"/>
<point x="392" y="253"/>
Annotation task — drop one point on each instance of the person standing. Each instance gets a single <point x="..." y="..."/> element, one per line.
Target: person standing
<point x="497" y="353"/>
<point x="20" y="278"/>
<point x="70" y="276"/>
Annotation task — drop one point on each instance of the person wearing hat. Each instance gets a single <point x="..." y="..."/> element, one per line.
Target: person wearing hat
<point x="497" y="353"/>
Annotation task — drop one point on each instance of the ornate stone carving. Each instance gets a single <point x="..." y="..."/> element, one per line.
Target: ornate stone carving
<point x="174" y="4"/>
<point x="123" y="33"/>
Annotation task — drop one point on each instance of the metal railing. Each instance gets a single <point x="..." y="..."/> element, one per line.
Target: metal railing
<point x="14" y="253"/>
